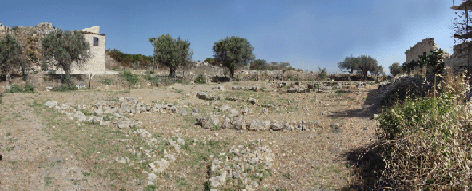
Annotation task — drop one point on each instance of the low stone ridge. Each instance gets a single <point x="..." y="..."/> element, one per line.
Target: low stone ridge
<point x="239" y="124"/>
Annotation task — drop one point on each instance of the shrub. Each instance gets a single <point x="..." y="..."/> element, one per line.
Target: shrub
<point x="200" y="79"/>
<point x="106" y="81"/>
<point x="150" y="72"/>
<point x="154" y="80"/>
<point x="44" y="66"/>
<point x="64" y="87"/>
<point x="18" y="89"/>
<point x="426" y="145"/>
<point x="131" y="78"/>
<point x="405" y="87"/>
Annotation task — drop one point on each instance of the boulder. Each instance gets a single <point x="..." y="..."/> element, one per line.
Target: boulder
<point x="224" y="108"/>
<point x="202" y="95"/>
<point x="226" y="123"/>
<point x="276" y="126"/>
<point x="239" y="125"/>
<point x="210" y="121"/>
<point x="292" y="90"/>
<point x="251" y="100"/>
<point x="182" y="112"/>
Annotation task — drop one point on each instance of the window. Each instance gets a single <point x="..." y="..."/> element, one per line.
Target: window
<point x="95" y="41"/>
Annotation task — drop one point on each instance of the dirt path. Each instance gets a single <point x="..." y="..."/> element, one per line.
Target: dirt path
<point x="31" y="159"/>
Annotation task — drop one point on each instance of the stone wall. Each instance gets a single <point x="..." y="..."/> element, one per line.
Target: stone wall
<point x="420" y="48"/>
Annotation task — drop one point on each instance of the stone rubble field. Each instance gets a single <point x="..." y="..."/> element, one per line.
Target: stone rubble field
<point x="234" y="135"/>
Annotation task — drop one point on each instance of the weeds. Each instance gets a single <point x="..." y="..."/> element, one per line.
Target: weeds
<point x="18" y="89"/>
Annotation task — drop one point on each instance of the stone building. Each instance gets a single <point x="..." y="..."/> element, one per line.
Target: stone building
<point x="96" y="63"/>
<point x="422" y="48"/>
<point x="30" y="37"/>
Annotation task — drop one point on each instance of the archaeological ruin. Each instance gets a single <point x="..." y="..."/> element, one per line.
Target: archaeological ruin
<point x="422" y="48"/>
<point x="30" y="37"/>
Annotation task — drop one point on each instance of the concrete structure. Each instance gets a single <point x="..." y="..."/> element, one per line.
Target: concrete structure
<point x="423" y="48"/>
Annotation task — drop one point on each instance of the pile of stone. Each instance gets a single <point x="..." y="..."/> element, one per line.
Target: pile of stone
<point x="219" y="88"/>
<point x="238" y="123"/>
<point x="252" y="88"/>
<point x="73" y="113"/>
<point x="147" y="155"/>
<point x="241" y="165"/>
<point x="117" y="109"/>
<point x="204" y="96"/>
<point x="252" y="101"/>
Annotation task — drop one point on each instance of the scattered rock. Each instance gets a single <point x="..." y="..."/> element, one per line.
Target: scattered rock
<point x="252" y="100"/>
<point x="183" y="112"/>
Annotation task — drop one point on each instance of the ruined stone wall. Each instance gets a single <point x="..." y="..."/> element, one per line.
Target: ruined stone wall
<point x="423" y="47"/>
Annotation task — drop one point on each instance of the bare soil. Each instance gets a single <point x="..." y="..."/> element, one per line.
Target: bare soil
<point x="43" y="149"/>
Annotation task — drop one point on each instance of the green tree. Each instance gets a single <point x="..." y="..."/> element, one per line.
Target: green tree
<point x="233" y="52"/>
<point x="11" y="56"/>
<point x="395" y="69"/>
<point x="259" y="64"/>
<point x="366" y="64"/>
<point x="66" y="47"/>
<point x="350" y="64"/>
<point x="171" y="52"/>
<point x="362" y="65"/>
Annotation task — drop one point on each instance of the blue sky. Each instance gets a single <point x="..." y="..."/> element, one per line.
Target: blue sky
<point x="308" y="34"/>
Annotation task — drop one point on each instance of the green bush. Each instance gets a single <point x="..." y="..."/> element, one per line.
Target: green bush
<point x="18" y="89"/>
<point x="426" y="145"/>
<point x="425" y="113"/>
<point x="154" y="80"/>
<point x="64" y="87"/>
<point x="200" y="79"/>
<point x="131" y="78"/>
<point x="150" y="72"/>
<point x="106" y="81"/>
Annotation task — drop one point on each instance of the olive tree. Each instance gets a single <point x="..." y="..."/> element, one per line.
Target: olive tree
<point x="171" y="52"/>
<point x="65" y="48"/>
<point x="233" y="52"/>
<point x="362" y="65"/>
<point x="395" y="69"/>
<point x="11" y="56"/>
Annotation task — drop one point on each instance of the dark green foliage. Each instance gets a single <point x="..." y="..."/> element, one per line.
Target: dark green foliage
<point x="106" y="81"/>
<point x="10" y="54"/>
<point x="66" y="47"/>
<point x="233" y="52"/>
<point x="64" y="87"/>
<point x="395" y="69"/>
<point x="322" y="74"/>
<point x="128" y="59"/>
<point x="432" y="62"/>
<point x="362" y="65"/>
<point x="200" y="79"/>
<point x="18" y="89"/>
<point x="154" y="80"/>
<point x="131" y="78"/>
<point x="171" y="52"/>
<point x="259" y="64"/>
<point x="416" y="113"/>
<point x="150" y="72"/>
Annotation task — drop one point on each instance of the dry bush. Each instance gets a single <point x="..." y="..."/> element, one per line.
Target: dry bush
<point x="428" y="145"/>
